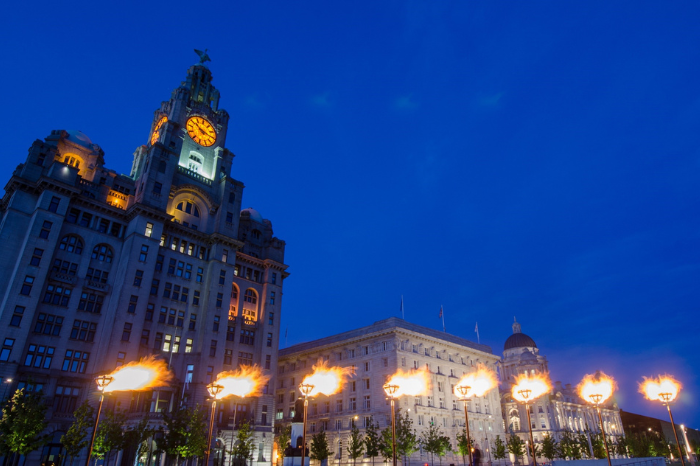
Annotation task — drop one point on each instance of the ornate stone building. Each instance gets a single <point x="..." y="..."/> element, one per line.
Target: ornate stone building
<point x="378" y="351"/>
<point x="554" y="413"/>
<point x="102" y="269"/>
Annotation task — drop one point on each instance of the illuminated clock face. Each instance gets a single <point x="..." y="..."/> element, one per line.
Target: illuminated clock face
<point x="156" y="131"/>
<point x="201" y="131"/>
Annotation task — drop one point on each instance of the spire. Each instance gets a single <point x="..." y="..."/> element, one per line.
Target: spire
<point x="516" y="326"/>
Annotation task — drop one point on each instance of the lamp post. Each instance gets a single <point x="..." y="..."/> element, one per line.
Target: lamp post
<point x="666" y="399"/>
<point x="525" y="393"/>
<point x="7" y="384"/>
<point x="305" y="389"/>
<point x="213" y="389"/>
<point x="102" y="382"/>
<point x="463" y="392"/>
<point x="233" y="429"/>
<point x="391" y="390"/>
<point x="597" y="399"/>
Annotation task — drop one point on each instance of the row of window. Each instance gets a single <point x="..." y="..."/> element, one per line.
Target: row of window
<point x="87" y="220"/>
<point x="39" y="356"/>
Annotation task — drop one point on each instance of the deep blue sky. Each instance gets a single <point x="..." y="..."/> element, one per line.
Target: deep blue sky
<point x="529" y="159"/>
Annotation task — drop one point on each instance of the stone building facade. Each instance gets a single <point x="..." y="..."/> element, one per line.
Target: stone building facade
<point x="554" y="413"/>
<point x="102" y="269"/>
<point x="378" y="351"/>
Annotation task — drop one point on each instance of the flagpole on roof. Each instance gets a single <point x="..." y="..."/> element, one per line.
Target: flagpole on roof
<point x="442" y="314"/>
<point x="476" y="329"/>
<point x="402" y="313"/>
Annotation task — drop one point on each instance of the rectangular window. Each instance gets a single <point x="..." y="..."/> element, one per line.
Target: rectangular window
<point x="17" y="316"/>
<point x="212" y="349"/>
<point x="352" y="404"/>
<point x="219" y="299"/>
<point x="157" y="188"/>
<point x="53" y="206"/>
<point x="75" y="361"/>
<point x="57" y="295"/>
<point x="83" y="330"/>
<point x="145" y="334"/>
<point x="247" y="337"/>
<point x="274" y="278"/>
<point x="366" y="402"/>
<point x="158" y="342"/>
<point x="184" y="297"/>
<point x="167" y="290"/>
<point x="39" y="356"/>
<point x="229" y="217"/>
<point x="245" y="359"/>
<point x="195" y="299"/>
<point x="149" y="230"/>
<point x="272" y="297"/>
<point x="138" y="277"/>
<point x="143" y="255"/>
<point x="217" y="321"/>
<point x="45" y="229"/>
<point x="200" y="274"/>
<point x="126" y="333"/>
<point x="268" y="361"/>
<point x="150" y="309"/>
<point x="222" y="277"/>
<point x="188" y="345"/>
<point x="7" y="345"/>
<point x="367" y="366"/>
<point x="27" y="285"/>
<point x="193" y="322"/>
<point x="65" y="267"/>
<point x="228" y="357"/>
<point x="155" y="284"/>
<point x="36" y="257"/>
<point x="121" y="356"/>
<point x="132" y="304"/>
<point x="159" y="262"/>
<point x="269" y="340"/>
<point x="72" y="216"/>
<point x="224" y="256"/>
<point x="271" y="318"/>
<point x="90" y="302"/>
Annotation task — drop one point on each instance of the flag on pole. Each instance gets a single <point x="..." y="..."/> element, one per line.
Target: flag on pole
<point x="476" y="329"/>
<point x="442" y="315"/>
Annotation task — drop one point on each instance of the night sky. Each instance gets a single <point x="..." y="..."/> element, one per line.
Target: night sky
<point x="529" y="159"/>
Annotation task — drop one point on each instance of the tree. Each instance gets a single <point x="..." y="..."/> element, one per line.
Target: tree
<point x="75" y="438"/>
<point x="598" y="447"/>
<point x="386" y="445"/>
<point x="283" y="440"/>
<point x="429" y="439"/>
<point x="355" y="444"/>
<point x="569" y="447"/>
<point x="110" y="435"/>
<point x="245" y="443"/>
<point x="406" y="439"/>
<point x="185" y="433"/>
<point x="23" y="420"/>
<point x="584" y="445"/>
<point x="499" y="448"/>
<point x="372" y="440"/>
<point x="515" y="446"/>
<point x="319" y="446"/>
<point x="620" y="448"/>
<point x="444" y="445"/>
<point x="549" y="447"/>
<point x="464" y="444"/>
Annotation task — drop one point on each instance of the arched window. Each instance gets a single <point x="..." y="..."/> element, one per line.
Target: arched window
<point x="72" y="161"/>
<point x="102" y="253"/>
<point x="195" y="162"/>
<point x="250" y="296"/>
<point x="71" y="243"/>
<point x="189" y="208"/>
<point x="234" y="294"/>
<point x="255" y="234"/>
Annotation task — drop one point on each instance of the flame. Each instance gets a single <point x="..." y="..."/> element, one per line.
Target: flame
<point x="413" y="383"/>
<point x="244" y="381"/>
<point x="596" y="384"/>
<point x="537" y="384"/>
<point x="327" y="380"/>
<point x="663" y="384"/>
<point x="146" y="373"/>
<point x="479" y="382"/>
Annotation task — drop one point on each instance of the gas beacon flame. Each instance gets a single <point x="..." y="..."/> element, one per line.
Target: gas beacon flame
<point x="146" y="373"/>
<point x="327" y="380"/>
<point x="413" y="383"/>
<point x="596" y="388"/>
<point x="664" y="388"/>
<point x="244" y="381"/>
<point x="528" y="387"/>
<point x="479" y="382"/>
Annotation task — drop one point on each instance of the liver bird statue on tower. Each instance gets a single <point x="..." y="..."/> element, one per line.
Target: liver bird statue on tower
<point x="203" y="57"/>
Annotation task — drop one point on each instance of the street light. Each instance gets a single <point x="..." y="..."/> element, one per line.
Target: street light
<point x="391" y="391"/>
<point x="305" y="389"/>
<point x="596" y="388"/>
<point x="527" y="389"/>
<point x="664" y="389"/>
<point x="213" y="389"/>
<point x="4" y="392"/>
<point x="102" y="382"/>
<point x="474" y="384"/>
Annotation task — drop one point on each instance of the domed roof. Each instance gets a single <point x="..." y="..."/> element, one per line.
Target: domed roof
<point x="254" y="214"/>
<point x="80" y="138"/>
<point x="519" y="340"/>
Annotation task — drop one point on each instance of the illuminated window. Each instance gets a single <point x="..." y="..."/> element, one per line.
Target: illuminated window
<point x="189" y="208"/>
<point x="149" y="229"/>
